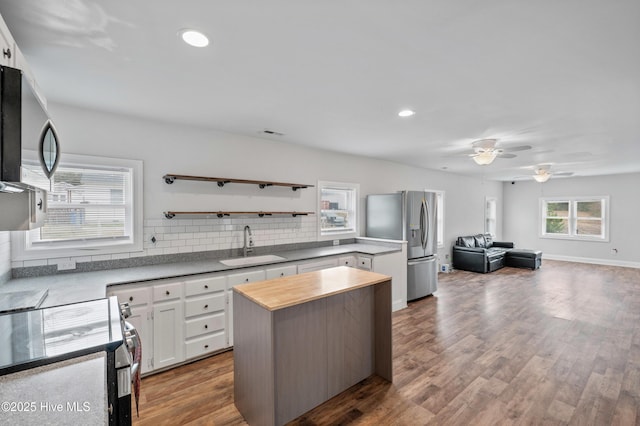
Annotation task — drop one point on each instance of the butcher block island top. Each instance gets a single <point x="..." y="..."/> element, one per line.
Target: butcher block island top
<point x="293" y="290"/>
<point x="301" y="340"/>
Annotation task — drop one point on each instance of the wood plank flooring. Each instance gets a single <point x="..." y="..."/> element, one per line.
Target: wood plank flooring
<point x="557" y="346"/>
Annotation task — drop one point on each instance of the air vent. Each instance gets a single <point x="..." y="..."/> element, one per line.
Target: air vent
<point x="272" y="132"/>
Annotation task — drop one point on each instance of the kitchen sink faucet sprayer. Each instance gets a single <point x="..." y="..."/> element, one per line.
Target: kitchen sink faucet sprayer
<point x="248" y="248"/>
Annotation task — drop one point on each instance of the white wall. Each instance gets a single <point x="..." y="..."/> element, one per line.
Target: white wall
<point x="167" y="148"/>
<point x="522" y="218"/>
<point x="5" y="256"/>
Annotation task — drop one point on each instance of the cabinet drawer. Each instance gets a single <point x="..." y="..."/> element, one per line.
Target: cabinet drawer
<point x="284" y="271"/>
<point x="205" y="325"/>
<point x="347" y="261"/>
<point x="204" y="305"/>
<point x="204" y="345"/>
<point x="364" y="263"/>
<point x="204" y="285"/>
<point x="167" y="292"/>
<point x="317" y="266"/>
<point x="245" y="277"/>
<point x="133" y="296"/>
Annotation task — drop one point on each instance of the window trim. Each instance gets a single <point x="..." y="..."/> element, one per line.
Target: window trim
<point x="21" y="250"/>
<point x="573" y="219"/>
<point x="440" y="197"/>
<point x="487" y="218"/>
<point x="336" y="235"/>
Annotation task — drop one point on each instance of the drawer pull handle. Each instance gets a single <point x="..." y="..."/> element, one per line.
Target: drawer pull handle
<point x="130" y="298"/>
<point x="206" y="346"/>
<point x="246" y="280"/>
<point x="206" y="286"/>
<point x="206" y="326"/>
<point x="206" y="306"/>
<point x="168" y="293"/>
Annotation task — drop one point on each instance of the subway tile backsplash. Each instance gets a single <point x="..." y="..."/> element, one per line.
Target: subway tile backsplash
<point x="193" y="235"/>
<point x="189" y="236"/>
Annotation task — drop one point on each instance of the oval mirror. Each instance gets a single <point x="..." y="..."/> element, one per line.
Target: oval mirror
<point x="49" y="149"/>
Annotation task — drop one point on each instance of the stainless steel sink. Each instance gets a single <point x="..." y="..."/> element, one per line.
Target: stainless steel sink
<point x="251" y="260"/>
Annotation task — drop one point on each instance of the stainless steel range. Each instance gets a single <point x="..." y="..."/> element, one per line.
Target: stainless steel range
<point x="39" y="340"/>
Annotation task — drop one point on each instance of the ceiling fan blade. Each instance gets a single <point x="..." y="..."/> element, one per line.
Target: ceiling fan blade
<point x="563" y="174"/>
<point x="516" y="148"/>
<point x="506" y="155"/>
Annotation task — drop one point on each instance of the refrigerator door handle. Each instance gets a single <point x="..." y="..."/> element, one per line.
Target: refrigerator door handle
<point x="427" y="235"/>
<point x="422" y="224"/>
<point x="417" y="262"/>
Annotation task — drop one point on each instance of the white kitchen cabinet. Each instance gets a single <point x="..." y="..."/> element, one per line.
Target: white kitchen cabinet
<point x="168" y="324"/>
<point x="232" y="281"/>
<point x="395" y="265"/>
<point x="205" y="311"/>
<point x="139" y="299"/>
<point x="282" y="271"/>
<point x="317" y="265"/>
<point x="349" y="261"/>
<point x="365" y="262"/>
<point x="7" y="46"/>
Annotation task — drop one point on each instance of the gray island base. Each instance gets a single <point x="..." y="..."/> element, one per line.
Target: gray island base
<point x="301" y="340"/>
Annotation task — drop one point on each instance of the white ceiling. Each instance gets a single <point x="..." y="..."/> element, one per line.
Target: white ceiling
<point x="560" y="76"/>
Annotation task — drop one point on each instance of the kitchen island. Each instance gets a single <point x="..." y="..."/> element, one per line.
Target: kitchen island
<point x="301" y="340"/>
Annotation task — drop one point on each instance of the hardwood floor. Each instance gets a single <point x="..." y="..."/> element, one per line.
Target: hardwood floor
<point x="556" y="346"/>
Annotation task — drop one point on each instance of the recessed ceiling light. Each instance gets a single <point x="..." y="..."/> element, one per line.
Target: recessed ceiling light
<point x="406" y="113"/>
<point x="193" y="38"/>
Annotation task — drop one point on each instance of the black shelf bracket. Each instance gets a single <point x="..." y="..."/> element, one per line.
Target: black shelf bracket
<point x="169" y="215"/>
<point x="169" y="179"/>
<point x="264" y="185"/>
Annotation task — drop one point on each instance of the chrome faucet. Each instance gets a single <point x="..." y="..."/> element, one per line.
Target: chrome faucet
<point x="248" y="248"/>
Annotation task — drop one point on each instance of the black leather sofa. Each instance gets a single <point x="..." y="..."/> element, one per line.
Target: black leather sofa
<point x="479" y="253"/>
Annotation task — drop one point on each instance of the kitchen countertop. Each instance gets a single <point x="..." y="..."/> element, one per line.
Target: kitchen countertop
<point x="293" y="290"/>
<point x="70" y="392"/>
<point x="78" y="287"/>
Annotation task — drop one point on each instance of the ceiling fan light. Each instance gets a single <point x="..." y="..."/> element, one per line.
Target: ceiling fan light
<point x="542" y="177"/>
<point x="484" y="158"/>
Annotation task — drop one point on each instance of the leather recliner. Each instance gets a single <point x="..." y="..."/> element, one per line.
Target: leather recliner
<point x="479" y="253"/>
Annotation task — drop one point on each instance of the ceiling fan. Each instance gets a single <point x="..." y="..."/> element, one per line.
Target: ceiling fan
<point x="487" y="150"/>
<point x="542" y="173"/>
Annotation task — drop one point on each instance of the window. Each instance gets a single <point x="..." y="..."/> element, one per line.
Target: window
<point x="94" y="203"/>
<point x="490" y="216"/>
<point x="580" y="218"/>
<point x="338" y="204"/>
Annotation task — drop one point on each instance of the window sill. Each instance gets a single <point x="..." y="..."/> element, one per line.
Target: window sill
<point x="575" y="238"/>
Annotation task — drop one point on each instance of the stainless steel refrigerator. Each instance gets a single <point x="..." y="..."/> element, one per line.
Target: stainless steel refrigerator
<point x="410" y="216"/>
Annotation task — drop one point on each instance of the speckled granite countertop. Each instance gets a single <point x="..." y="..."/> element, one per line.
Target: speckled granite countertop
<point x="70" y="392"/>
<point x="78" y="287"/>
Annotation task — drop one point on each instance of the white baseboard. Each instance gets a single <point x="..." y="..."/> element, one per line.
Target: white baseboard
<point x="397" y="305"/>
<point x="608" y="262"/>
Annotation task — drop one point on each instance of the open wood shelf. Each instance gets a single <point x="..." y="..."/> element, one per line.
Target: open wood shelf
<point x="170" y="178"/>
<point x="172" y="214"/>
